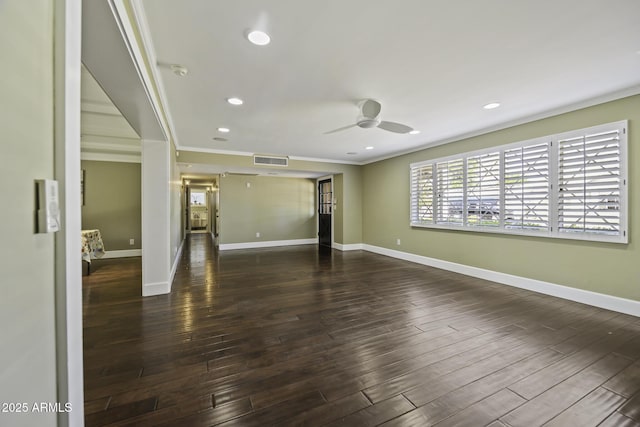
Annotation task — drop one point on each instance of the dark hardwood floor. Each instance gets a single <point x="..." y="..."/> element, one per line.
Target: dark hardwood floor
<point x="292" y="336"/>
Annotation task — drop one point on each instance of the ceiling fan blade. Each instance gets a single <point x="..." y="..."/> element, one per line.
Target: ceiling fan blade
<point x="370" y="108"/>
<point x="395" y="127"/>
<point x="340" y="129"/>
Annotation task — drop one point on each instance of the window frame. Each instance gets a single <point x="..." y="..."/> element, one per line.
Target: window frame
<point x="553" y="229"/>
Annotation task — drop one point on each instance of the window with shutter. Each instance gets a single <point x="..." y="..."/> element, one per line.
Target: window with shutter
<point x="526" y="187"/>
<point x="422" y="194"/>
<point x="589" y="183"/>
<point x="450" y="181"/>
<point x="483" y="190"/>
<point x="571" y="185"/>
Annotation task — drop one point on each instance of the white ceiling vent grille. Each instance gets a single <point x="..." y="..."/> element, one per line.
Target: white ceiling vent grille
<point x="271" y="161"/>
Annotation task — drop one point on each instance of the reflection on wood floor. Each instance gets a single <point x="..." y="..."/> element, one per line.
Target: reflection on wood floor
<point x="292" y="336"/>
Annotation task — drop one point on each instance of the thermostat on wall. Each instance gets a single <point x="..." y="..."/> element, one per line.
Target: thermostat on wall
<point x="48" y="211"/>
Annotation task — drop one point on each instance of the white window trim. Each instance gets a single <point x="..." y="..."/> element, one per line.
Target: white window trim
<point x="553" y="231"/>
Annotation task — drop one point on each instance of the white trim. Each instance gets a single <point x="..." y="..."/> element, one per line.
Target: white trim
<point x="624" y="93"/>
<point x="109" y="157"/>
<point x="135" y="50"/>
<point x="115" y="141"/>
<point x="609" y="302"/>
<point x="176" y="261"/>
<point x="124" y="253"/>
<point x="67" y="31"/>
<point x="158" y="288"/>
<point x="147" y="46"/>
<point x="99" y="108"/>
<point x="321" y="160"/>
<point x="268" y="244"/>
<point x="250" y="154"/>
<point x="348" y="247"/>
<point x="132" y="147"/>
<point x="213" y="151"/>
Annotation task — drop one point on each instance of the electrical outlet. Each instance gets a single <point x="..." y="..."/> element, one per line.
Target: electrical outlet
<point x="258" y="234"/>
<point x="398" y="242"/>
<point x="132" y="242"/>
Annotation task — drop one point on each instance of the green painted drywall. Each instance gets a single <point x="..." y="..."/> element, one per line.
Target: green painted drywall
<point x="28" y="355"/>
<point x="611" y="269"/>
<point x="351" y="202"/>
<point x="112" y="203"/>
<point x="347" y="187"/>
<point x="277" y="208"/>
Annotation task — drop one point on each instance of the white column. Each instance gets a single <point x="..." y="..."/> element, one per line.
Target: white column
<point x="156" y="260"/>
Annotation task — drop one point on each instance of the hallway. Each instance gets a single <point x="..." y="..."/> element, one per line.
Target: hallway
<point x="291" y="336"/>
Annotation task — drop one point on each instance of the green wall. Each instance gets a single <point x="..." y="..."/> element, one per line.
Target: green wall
<point x="347" y="183"/>
<point x="28" y="355"/>
<point x="611" y="269"/>
<point x="277" y="208"/>
<point x="112" y="203"/>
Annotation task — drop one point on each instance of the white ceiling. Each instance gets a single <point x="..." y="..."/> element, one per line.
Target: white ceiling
<point x="103" y="128"/>
<point x="432" y="65"/>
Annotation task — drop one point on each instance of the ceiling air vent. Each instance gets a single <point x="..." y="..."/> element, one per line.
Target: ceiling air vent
<point x="270" y="160"/>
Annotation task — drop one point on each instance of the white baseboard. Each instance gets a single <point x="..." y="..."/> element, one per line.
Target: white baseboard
<point x="348" y="247"/>
<point x="609" y="302"/>
<point x="123" y="253"/>
<point x="176" y="261"/>
<point x="159" y="288"/>
<point x="269" y="244"/>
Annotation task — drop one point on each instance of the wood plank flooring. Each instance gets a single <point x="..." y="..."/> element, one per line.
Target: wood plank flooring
<point x="293" y="336"/>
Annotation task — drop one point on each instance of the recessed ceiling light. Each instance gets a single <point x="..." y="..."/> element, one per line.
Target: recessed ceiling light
<point x="223" y="130"/>
<point x="217" y="138"/>
<point x="259" y="38"/>
<point x="368" y="148"/>
<point x="235" y="101"/>
<point x="414" y="132"/>
<point x="352" y="153"/>
<point x="491" y="105"/>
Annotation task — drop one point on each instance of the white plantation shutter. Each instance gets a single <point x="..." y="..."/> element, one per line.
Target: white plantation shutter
<point x="571" y="185"/>
<point x="589" y="168"/>
<point x="483" y="190"/>
<point x="526" y="187"/>
<point x="450" y="192"/>
<point x="422" y="194"/>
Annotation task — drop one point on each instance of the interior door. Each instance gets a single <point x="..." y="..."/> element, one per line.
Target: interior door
<point x="325" y="205"/>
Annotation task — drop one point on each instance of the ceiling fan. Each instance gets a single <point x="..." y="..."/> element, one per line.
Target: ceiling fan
<point x="370" y="117"/>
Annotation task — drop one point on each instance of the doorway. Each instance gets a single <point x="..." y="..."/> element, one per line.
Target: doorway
<point x="325" y="211"/>
<point x="198" y="208"/>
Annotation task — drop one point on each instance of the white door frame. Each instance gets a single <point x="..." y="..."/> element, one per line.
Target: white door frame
<point x="68" y="276"/>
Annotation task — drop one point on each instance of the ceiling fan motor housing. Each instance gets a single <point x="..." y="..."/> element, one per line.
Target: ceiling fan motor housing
<point x="367" y="122"/>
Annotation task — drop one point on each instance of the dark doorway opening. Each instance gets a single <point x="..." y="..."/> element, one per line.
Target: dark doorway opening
<point x="325" y="207"/>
